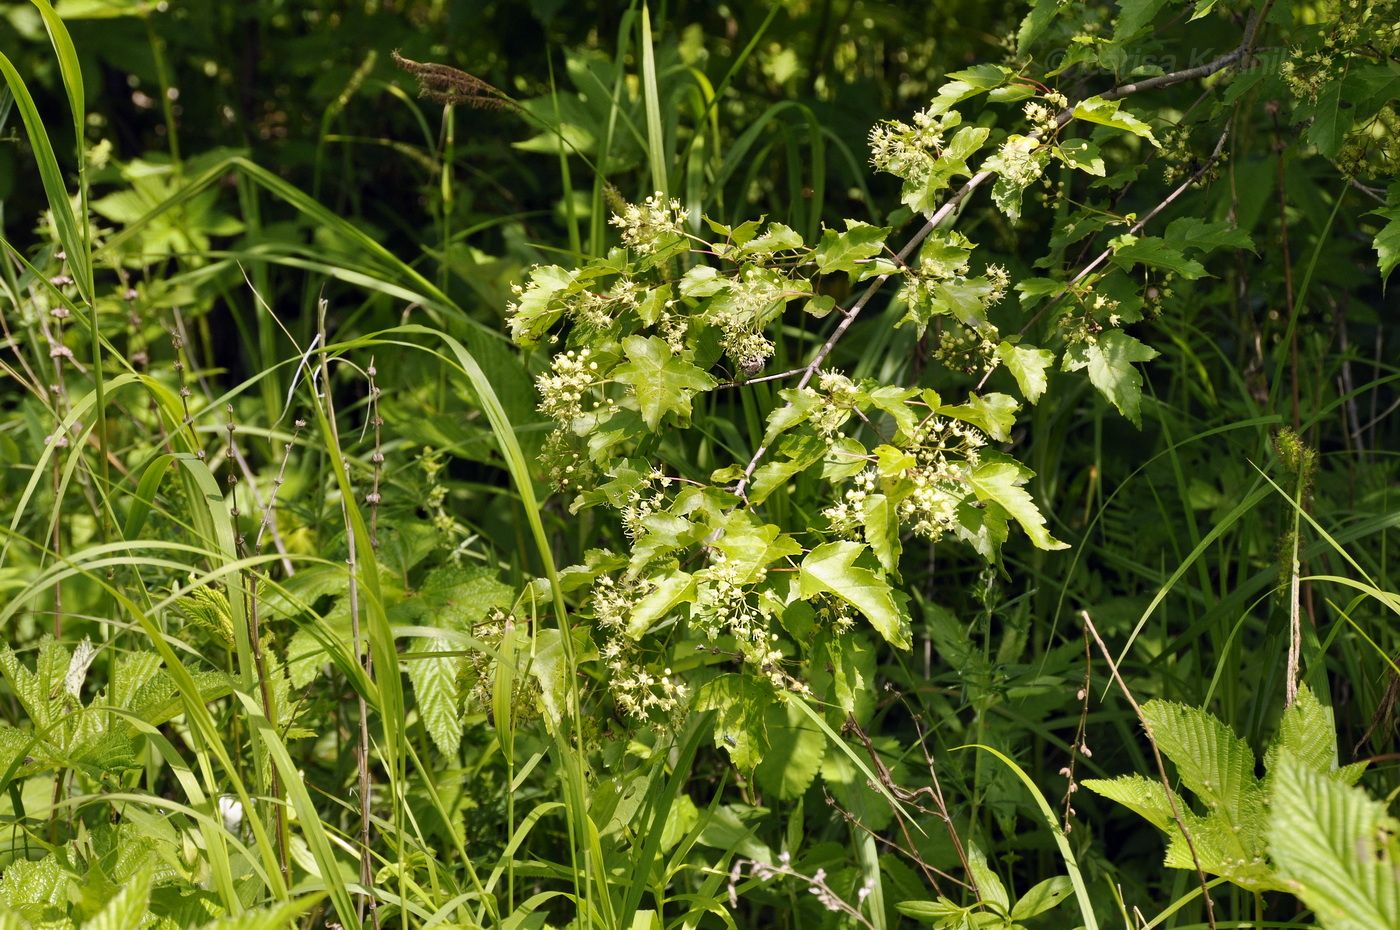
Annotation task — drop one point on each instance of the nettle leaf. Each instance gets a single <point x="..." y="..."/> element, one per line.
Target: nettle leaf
<point x="1335" y="847"/>
<point x="451" y="594"/>
<point x="796" y="747"/>
<point x="848" y="251"/>
<point x="740" y="703"/>
<point x="1081" y="154"/>
<point x="968" y="83"/>
<point x="999" y="481"/>
<point x="662" y="382"/>
<point x="305" y="657"/>
<point x="1109" y="113"/>
<point x="1028" y="366"/>
<point x="127" y="908"/>
<point x="830" y="569"/>
<point x="1307" y="732"/>
<point x="437" y="691"/>
<point x="1110" y="359"/>
<point x="1143" y="796"/>
<point x="1210" y="760"/>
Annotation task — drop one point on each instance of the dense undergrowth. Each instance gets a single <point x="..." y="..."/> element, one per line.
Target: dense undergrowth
<point x="821" y="464"/>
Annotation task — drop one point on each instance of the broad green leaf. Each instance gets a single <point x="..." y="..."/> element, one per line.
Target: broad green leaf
<point x="994" y="414"/>
<point x="675" y="587"/>
<point x="963" y="85"/>
<point x="776" y="238"/>
<point x="1110" y="359"/>
<point x="1192" y="232"/>
<point x="1387" y="242"/>
<point x="842" y="671"/>
<point x="880" y="520"/>
<point x="1336" y="848"/>
<point x="951" y="164"/>
<point x="1330" y="121"/>
<point x="1143" y="796"/>
<point x="848" y="251"/>
<point x="740" y="703"/>
<point x="795" y="752"/>
<point x="830" y="569"/>
<point x="1000" y="481"/>
<point x="1081" y="154"/>
<point x="702" y="281"/>
<point x="942" y="912"/>
<point x="1154" y="253"/>
<point x="1109" y="113"/>
<point x="663" y="383"/>
<point x="438" y="694"/>
<point x="799" y="409"/>
<point x="1134" y="16"/>
<point x="1028" y="366"/>
<point x="1041" y="15"/>
<point x="990" y="889"/>
<point x="538" y="307"/>
<point x="1018" y="164"/>
<point x="1043" y="896"/>
<point x="750" y="545"/>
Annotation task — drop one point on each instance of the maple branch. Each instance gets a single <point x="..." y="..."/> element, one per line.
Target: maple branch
<point x="936" y="219"/>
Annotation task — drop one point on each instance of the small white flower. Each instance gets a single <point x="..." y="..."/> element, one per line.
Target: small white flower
<point x="231" y="810"/>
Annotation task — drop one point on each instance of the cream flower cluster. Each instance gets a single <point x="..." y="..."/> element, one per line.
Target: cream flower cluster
<point x="910" y="151"/>
<point x="647" y="226"/>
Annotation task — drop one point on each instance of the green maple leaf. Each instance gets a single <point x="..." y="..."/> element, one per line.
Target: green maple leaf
<point x="1107" y="113"/>
<point x="999" y="480"/>
<point x="848" y="251"/>
<point x="1110" y="361"/>
<point x="952" y="163"/>
<point x="663" y="383"/>
<point x="1081" y="154"/>
<point x="830" y="569"/>
<point x="1027" y="365"/>
<point x="1154" y="253"/>
<point x="1388" y="239"/>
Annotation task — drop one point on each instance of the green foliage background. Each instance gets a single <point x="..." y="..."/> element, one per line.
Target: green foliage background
<point x="322" y="607"/>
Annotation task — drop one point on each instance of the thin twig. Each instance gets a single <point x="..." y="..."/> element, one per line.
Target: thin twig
<point x="1161" y="767"/>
